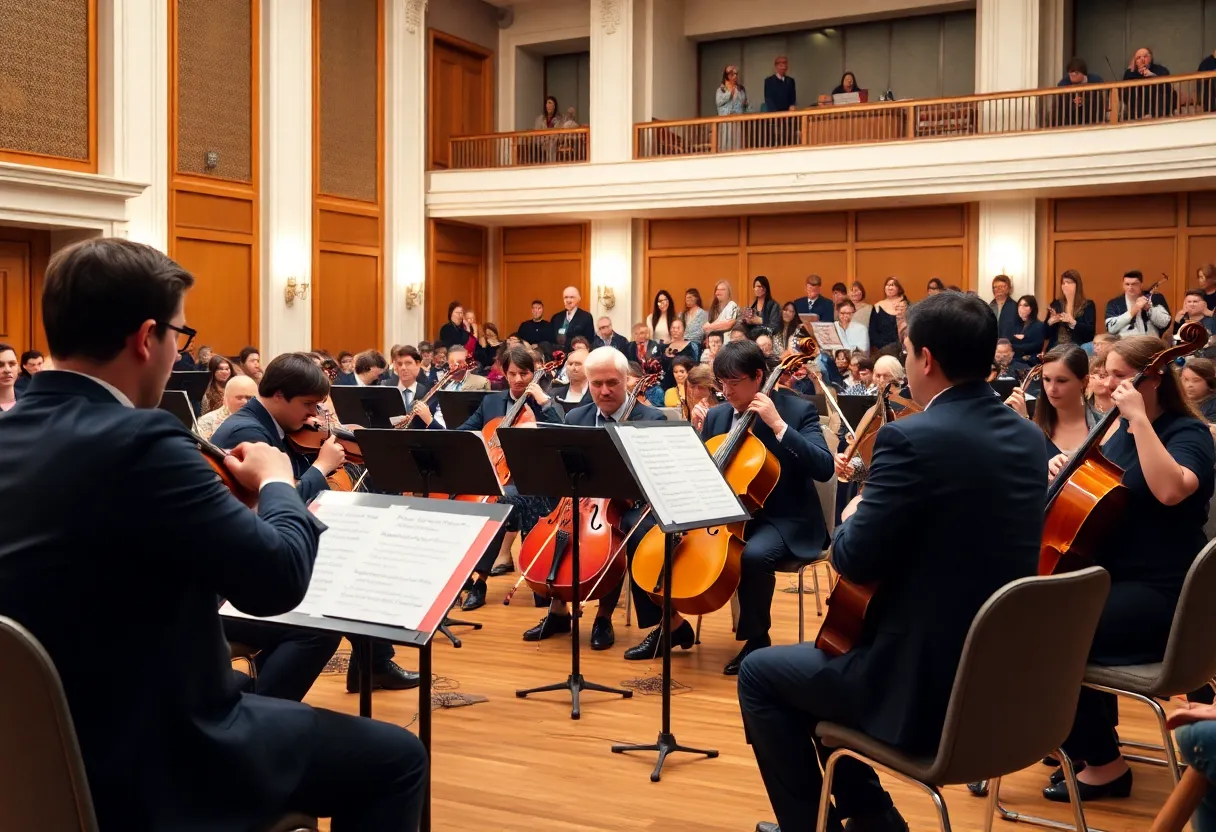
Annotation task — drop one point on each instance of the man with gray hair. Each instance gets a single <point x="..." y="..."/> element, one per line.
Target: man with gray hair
<point x="606" y="336"/>
<point x="572" y="322"/>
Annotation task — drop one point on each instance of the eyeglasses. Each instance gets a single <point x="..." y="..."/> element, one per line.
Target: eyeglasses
<point x="182" y="332"/>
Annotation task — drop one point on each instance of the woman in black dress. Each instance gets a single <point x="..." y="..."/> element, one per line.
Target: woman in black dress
<point x="1030" y="333"/>
<point x="1071" y="316"/>
<point x="456" y="331"/>
<point x="1168" y="458"/>
<point x="763" y="311"/>
<point x="886" y="320"/>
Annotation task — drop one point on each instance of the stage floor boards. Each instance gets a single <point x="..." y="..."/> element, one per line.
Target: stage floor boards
<point x="523" y="764"/>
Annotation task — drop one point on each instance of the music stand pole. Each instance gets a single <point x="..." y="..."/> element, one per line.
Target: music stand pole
<point x="666" y="743"/>
<point x="575" y="682"/>
<point x="426" y="466"/>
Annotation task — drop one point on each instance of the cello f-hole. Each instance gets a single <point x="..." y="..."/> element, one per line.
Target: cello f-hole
<point x="595" y="523"/>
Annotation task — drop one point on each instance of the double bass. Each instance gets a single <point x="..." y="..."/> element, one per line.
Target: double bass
<point x="705" y="564"/>
<point x="1088" y="492"/>
<point x="545" y="552"/>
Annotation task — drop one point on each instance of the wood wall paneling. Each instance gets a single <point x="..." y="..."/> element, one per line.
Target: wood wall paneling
<point x="913" y="266"/>
<point x="456" y="270"/>
<point x="798" y="229"/>
<point x="921" y="223"/>
<point x="787" y="271"/>
<point x="539" y="263"/>
<point x="1103" y="237"/>
<point x="460" y="94"/>
<point x="348" y="176"/>
<point x="24" y="253"/>
<point x="48" y="63"/>
<point x="214" y="104"/>
<point x="713" y="232"/>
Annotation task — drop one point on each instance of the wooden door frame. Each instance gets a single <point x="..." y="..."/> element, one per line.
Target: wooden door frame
<point x="434" y="36"/>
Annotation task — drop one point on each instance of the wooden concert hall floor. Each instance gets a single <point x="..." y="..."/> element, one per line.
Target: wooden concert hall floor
<point x="523" y="764"/>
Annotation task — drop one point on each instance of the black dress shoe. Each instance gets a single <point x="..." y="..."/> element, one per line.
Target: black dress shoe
<point x="602" y="636"/>
<point x="1057" y="776"/>
<point x="752" y="645"/>
<point x="391" y="677"/>
<point x="550" y="625"/>
<point x="765" y="826"/>
<point x="888" y="821"/>
<point x="1120" y="787"/>
<point x="682" y="636"/>
<point x="475" y="598"/>
<point x="502" y="569"/>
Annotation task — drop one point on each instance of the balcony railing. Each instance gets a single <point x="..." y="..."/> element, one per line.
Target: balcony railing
<point x="1028" y="111"/>
<point x="529" y="148"/>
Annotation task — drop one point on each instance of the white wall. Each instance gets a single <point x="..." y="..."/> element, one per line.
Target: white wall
<point x="529" y="88"/>
<point x="470" y="20"/>
<point x="540" y="22"/>
<point x="668" y="61"/>
<point x="708" y="19"/>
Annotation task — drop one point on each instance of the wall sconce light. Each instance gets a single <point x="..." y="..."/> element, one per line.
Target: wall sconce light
<point x="294" y="290"/>
<point x="413" y="295"/>
<point x="606" y="295"/>
<point x="211" y="160"/>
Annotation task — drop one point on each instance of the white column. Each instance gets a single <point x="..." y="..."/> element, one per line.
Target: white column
<point x="1007" y="45"/>
<point x="612" y="268"/>
<point x="1007" y="244"/>
<point x="133" y="110"/>
<point x="287" y="185"/>
<point x="612" y="80"/>
<point x="405" y="170"/>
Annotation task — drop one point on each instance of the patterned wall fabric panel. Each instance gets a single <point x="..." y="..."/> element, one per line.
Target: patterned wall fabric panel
<point x="215" y="88"/>
<point x="44" y="77"/>
<point x="348" y="98"/>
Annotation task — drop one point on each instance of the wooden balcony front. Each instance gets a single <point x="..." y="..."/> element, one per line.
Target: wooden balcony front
<point x="527" y="148"/>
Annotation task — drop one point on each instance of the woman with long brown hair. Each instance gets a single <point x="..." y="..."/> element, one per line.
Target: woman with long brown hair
<point x="1071" y="316"/>
<point x="1198" y="379"/>
<point x="695" y="318"/>
<point x="1061" y="410"/>
<point x="220" y="369"/>
<point x="1168" y="460"/>
<point x="887" y="319"/>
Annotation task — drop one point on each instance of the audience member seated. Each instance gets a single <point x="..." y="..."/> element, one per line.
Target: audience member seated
<point x="738" y="332"/>
<point x="852" y="334"/>
<point x="1005" y="361"/>
<point x="571" y="321"/>
<point x="1081" y="107"/>
<point x="1195" y="310"/>
<point x="536" y="330"/>
<point x="488" y="344"/>
<point x="606" y="336"/>
<point x="713" y="343"/>
<point x="1071" y="317"/>
<point x="699" y="393"/>
<point x="642" y="348"/>
<point x="1028" y="337"/>
<point x="427" y="368"/>
<point x="1132" y="313"/>
<point x="781" y="95"/>
<point x="677" y="394"/>
<point x="456" y="331"/>
<point x="848" y="83"/>
<point x="575" y="392"/>
<point x="249" y="362"/>
<point x="1198" y="379"/>
<point x="1156" y="101"/>
<point x="790" y="323"/>
<point x="862" y="368"/>
<point x="723" y="312"/>
<point x="8" y="377"/>
<point x="31" y="365"/>
<point x="471" y="381"/>
<point x="237" y="392"/>
<point x="346" y="362"/>
<point x="763" y="311"/>
<point x="204" y="357"/>
<point x="1003" y="306"/>
<point x="680" y="347"/>
<point x="661" y="315"/>
<point x="815" y="303"/>
<point x="765" y="342"/>
<point x="220" y="369"/>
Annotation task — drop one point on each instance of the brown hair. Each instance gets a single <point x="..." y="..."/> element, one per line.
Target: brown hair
<point x="1074" y="358"/>
<point x="1205" y="369"/>
<point x="1138" y="350"/>
<point x="1078" y="298"/>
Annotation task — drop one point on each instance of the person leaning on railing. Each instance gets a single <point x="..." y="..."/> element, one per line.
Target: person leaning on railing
<point x="1159" y="99"/>
<point x="1081" y="107"/>
<point x="544" y="149"/>
<point x="1207" y="87"/>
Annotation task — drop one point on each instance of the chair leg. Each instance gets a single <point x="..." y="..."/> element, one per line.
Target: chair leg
<point x="825" y="794"/>
<point x="1167" y="739"/>
<point x="696" y="637"/>
<point x="628" y="590"/>
<point x="825" y="791"/>
<point x="1078" y="811"/>
<point x="734" y="613"/>
<point x="815" y="585"/>
<point x="994" y="796"/>
<point x="801" y="605"/>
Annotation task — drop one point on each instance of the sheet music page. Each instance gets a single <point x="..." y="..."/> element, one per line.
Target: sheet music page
<point x="397" y="574"/>
<point x="352" y="530"/>
<point x="677" y="475"/>
<point x="827" y="336"/>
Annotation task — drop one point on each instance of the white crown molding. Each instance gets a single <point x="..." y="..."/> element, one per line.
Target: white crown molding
<point x="65" y="181"/>
<point x="64" y="199"/>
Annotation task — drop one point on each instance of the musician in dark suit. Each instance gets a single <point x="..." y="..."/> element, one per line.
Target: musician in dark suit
<point x="182" y="748"/>
<point x="290" y="660"/>
<point x="571" y="322"/>
<point x="520" y="369"/>
<point x="407" y="378"/>
<point x="607" y="372"/>
<point x="939" y="482"/>
<point x="790" y="525"/>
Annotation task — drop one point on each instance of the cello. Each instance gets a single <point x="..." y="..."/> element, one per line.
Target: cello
<point x="1089" y="490"/>
<point x="548" y="568"/>
<point x="705" y="564"/>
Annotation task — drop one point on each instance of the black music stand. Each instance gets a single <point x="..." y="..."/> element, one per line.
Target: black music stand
<point x="177" y="403"/>
<point x="666" y="743"/>
<point x="422" y="461"/>
<point x="458" y="405"/>
<point x="854" y="407"/>
<point x="191" y="382"/>
<point x="563" y="461"/>
<point x="369" y="407"/>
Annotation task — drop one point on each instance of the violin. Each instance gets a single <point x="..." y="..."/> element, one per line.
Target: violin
<point x="1088" y="492"/>
<point x="214" y="456"/>
<point x="546" y="551"/>
<point x="453" y="373"/>
<point x="706" y="562"/>
<point x="861" y="445"/>
<point x="312" y="435"/>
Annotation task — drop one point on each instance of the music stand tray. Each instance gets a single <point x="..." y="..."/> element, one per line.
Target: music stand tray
<point x="175" y="402"/>
<point x="424" y="461"/>
<point x="458" y="405"/>
<point x="191" y="382"/>
<point x="575" y="462"/>
<point x="369" y="407"/>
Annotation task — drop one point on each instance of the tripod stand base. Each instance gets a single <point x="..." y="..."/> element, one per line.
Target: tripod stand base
<point x="575" y="683"/>
<point x="666" y="744"/>
<point x="448" y="623"/>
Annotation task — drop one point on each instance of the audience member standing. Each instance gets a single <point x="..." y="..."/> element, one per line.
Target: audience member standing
<point x="695" y="318"/>
<point x="1079" y="107"/>
<point x="661" y="316"/>
<point x="1003" y="306"/>
<point x="1134" y="313"/>
<point x="731" y="100"/>
<point x="572" y="321"/>
<point x="1207" y="87"/>
<point x="1156" y="101"/>
<point x="723" y="312"/>
<point x="781" y="95"/>
<point x="536" y="330"/>
<point x="456" y="331"/>
<point x="1071" y="318"/>
<point x="815" y="303"/>
<point x="763" y="311"/>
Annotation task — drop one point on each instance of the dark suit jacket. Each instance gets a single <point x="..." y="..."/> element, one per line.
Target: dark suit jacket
<point x="939" y="483"/>
<point x="559" y="391"/>
<point x="822" y="306"/>
<point x="347" y="379"/>
<point x="423" y="386"/>
<point x="793" y="507"/>
<point x="581" y="324"/>
<point x="154" y="539"/>
<point x="779" y="95"/>
<point x="584" y="417"/>
<point x="495" y="406"/>
<point x="253" y="423"/>
<point x="1007" y="322"/>
<point x="652" y="350"/>
<point x="536" y="332"/>
<point x="617" y="341"/>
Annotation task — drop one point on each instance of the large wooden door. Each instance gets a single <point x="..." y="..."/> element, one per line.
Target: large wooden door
<point x="461" y="94"/>
<point x="15" y="310"/>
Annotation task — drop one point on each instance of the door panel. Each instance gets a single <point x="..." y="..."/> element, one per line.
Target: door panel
<point x="15" y="314"/>
<point x="345" y="300"/>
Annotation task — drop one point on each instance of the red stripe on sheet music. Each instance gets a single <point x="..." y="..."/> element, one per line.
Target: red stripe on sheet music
<point x="435" y="616"/>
